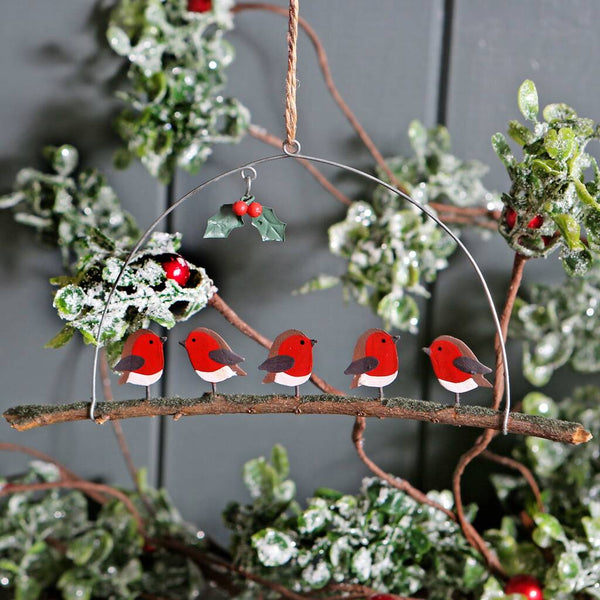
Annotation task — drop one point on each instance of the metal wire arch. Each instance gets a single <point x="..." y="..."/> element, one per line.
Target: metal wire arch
<point x="288" y="153"/>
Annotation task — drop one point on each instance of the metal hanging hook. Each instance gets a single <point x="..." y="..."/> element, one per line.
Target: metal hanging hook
<point x="248" y="175"/>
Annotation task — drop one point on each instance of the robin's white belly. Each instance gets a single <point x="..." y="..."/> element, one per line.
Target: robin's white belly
<point x="291" y="380"/>
<point x="139" y="379"/>
<point x="377" y="381"/>
<point x="460" y="387"/>
<point x="217" y="376"/>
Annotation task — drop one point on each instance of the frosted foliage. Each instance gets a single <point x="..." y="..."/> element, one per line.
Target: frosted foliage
<point x="62" y="207"/>
<point x="559" y="325"/>
<point x="394" y="250"/>
<point x="380" y="537"/>
<point x="274" y="548"/>
<point x="143" y="295"/>
<point x="175" y="108"/>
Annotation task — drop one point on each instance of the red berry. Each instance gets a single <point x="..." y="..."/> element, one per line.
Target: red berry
<point x="536" y="222"/>
<point x="511" y="218"/>
<point x="177" y="269"/>
<point x="525" y="585"/>
<point x="255" y="210"/>
<point x="199" y="5"/>
<point x="240" y="208"/>
<point x="149" y="548"/>
<point x="382" y="597"/>
<point x="547" y="239"/>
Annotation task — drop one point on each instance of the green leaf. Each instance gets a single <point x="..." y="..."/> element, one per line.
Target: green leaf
<point x="502" y="149"/>
<point x="592" y="530"/>
<point x="279" y="460"/>
<point x="519" y="133"/>
<point x="10" y="200"/>
<point x="558" y="112"/>
<point x="269" y="226"/>
<point x="69" y="301"/>
<point x="417" y="134"/>
<point x="321" y="282"/>
<point x="274" y="548"/>
<point x="548" y="528"/>
<point x="118" y="40"/>
<point x="560" y="145"/>
<point x="223" y="223"/>
<point x="536" y="403"/>
<point x="260" y="478"/>
<point x="528" y="100"/>
<point x="584" y="195"/>
<point x="61" y="338"/>
<point x="63" y="159"/>
<point x="570" y="230"/>
<point x="90" y="548"/>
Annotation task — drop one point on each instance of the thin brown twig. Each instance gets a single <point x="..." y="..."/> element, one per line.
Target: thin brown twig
<point x="351" y="117"/>
<point x="66" y="473"/>
<point x="260" y="133"/>
<point x="360" y="590"/>
<point x="511" y="463"/>
<point x="487" y="436"/>
<point x="202" y="558"/>
<point x="84" y="486"/>
<point x="400" y="484"/>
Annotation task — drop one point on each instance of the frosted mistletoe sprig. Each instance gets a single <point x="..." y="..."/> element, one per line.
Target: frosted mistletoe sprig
<point x="550" y="203"/>
<point x="393" y="250"/>
<point x="559" y="324"/>
<point x="62" y="206"/>
<point x="175" y="107"/>
<point x="144" y="293"/>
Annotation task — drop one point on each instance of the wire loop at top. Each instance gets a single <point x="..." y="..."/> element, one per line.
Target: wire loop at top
<point x="291" y="147"/>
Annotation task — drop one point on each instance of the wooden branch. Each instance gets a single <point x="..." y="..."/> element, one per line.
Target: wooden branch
<point x="31" y="416"/>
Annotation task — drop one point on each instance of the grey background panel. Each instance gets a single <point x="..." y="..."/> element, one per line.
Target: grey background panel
<point x="385" y="56"/>
<point x="58" y="81"/>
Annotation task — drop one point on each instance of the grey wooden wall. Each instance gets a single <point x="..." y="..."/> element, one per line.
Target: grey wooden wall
<point x="457" y="61"/>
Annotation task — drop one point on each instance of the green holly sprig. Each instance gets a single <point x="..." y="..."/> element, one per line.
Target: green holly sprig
<point x="230" y="217"/>
<point x="175" y="107"/>
<point x="392" y="249"/>
<point x="550" y="203"/>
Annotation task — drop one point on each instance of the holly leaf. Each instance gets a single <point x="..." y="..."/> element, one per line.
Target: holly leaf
<point x="223" y="223"/>
<point x="269" y="226"/>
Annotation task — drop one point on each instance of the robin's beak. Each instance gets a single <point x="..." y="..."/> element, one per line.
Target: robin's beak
<point x="395" y="338"/>
<point x="427" y="351"/>
<point x="313" y="342"/>
<point x="163" y="339"/>
<point x="181" y="344"/>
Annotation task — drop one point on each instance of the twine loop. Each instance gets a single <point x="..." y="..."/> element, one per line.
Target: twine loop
<point x="291" y="113"/>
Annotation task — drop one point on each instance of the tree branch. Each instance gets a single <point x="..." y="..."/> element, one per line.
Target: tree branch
<point x="30" y="416"/>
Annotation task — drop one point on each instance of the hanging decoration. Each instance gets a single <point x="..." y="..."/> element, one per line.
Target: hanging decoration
<point x="290" y="360"/>
<point x="175" y="104"/>
<point x="230" y="216"/>
<point x="142" y="360"/>
<point x="375" y="360"/>
<point x="456" y="366"/>
<point x="211" y="357"/>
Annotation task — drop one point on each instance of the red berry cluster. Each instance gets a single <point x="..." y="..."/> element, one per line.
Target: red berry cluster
<point x="526" y="585"/>
<point x="240" y="208"/>
<point x="511" y="219"/>
<point x="176" y="268"/>
<point x="199" y="6"/>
